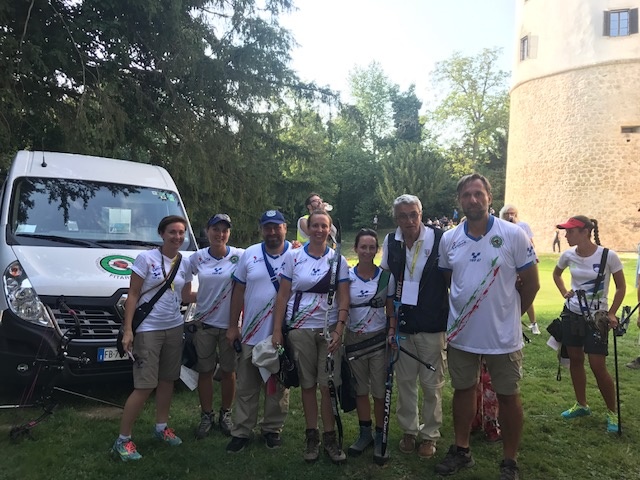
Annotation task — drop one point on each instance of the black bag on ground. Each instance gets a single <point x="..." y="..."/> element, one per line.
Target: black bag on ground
<point x="347" y="390"/>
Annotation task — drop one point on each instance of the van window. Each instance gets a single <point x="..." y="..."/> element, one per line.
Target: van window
<point x="48" y="211"/>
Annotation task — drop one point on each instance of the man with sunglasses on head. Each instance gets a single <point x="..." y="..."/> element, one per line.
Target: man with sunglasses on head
<point x="313" y="203"/>
<point x="410" y="253"/>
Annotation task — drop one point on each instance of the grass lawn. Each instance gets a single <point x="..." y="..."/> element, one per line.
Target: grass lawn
<point x="74" y="442"/>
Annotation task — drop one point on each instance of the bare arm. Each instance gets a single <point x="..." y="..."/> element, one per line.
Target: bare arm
<point x="237" y="302"/>
<point x="344" y="299"/>
<point x="280" y="310"/>
<point x="557" y="279"/>
<point x="529" y="288"/>
<point x="638" y="298"/>
<point x="618" y="297"/>
<point x="135" y="288"/>
<point x="188" y="296"/>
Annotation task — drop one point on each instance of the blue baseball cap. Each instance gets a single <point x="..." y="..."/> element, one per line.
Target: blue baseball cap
<point x="217" y="218"/>
<point x="272" y="216"/>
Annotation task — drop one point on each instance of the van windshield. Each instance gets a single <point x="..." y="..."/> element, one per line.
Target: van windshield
<point x="65" y="212"/>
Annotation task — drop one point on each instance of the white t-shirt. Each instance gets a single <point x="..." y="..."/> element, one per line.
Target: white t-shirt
<point x="165" y="314"/>
<point x="304" y="271"/>
<point x="527" y="229"/>
<point x="416" y="260"/>
<point x="367" y="319"/>
<point x="259" y="294"/>
<point x="214" y="285"/>
<point x="584" y="271"/>
<point x="484" y="313"/>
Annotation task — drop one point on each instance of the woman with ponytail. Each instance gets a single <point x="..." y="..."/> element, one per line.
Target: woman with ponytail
<point x="588" y="294"/>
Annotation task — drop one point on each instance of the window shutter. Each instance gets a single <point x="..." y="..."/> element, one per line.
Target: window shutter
<point x="606" y="24"/>
<point x="633" y="21"/>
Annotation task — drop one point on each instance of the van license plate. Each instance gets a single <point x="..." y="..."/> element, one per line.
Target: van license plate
<point x="109" y="354"/>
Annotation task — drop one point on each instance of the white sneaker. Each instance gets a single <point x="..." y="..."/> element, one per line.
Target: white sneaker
<point x="535" y="329"/>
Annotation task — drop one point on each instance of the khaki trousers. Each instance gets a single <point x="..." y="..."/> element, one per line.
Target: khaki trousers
<point x="249" y="384"/>
<point x="430" y="348"/>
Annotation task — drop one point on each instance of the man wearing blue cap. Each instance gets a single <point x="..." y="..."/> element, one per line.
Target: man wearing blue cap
<point x="214" y="267"/>
<point x="255" y="286"/>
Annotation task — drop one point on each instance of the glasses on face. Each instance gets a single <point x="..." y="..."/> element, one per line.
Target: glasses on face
<point x="316" y="201"/>
<point x="403" y="217"/>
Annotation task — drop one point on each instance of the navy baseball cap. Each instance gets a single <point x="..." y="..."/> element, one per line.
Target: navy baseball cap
<point x="217" y="218"/>
<point x="272" y="216"/>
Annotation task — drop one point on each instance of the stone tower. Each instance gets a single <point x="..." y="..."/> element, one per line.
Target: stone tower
<point x="574" y="130"/>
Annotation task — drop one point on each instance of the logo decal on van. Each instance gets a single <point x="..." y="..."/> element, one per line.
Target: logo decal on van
<point x="117" y="264"/>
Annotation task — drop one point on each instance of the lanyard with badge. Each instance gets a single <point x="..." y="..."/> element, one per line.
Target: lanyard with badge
<point x="411" y="286"/>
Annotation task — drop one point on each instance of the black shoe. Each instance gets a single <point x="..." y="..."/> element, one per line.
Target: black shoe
<point x="509" y="470"/>
<point x="453" y="461"/>
<point x="237" y="444"/>
<point x="272" y="439"/>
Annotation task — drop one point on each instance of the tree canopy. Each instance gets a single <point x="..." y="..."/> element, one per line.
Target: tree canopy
<point x="204" y="88"/>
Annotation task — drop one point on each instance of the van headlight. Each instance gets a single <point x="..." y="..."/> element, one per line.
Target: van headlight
<point x="22" y="298"/>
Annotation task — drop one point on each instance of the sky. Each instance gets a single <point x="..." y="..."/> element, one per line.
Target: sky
<point x="407" y="37"/>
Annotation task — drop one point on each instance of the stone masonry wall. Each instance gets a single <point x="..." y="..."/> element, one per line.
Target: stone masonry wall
<point x="567" y="155"/>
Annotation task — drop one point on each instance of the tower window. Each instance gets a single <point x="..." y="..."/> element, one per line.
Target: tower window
<point x="524" y="48"/>
<point x="620" y="23"/>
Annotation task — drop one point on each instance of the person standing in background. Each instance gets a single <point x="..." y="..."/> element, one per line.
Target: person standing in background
<point x="510" y="213"/>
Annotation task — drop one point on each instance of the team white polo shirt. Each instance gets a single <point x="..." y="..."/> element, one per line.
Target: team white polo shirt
<point x="304" y="271"/>
<point x="166" y="311"/>
<point x="484" y="313"/>
<point x="367" y="319"/>
<point x="260" y="293"/>
<point x="584" y="271"/>
<point x="214" y="285"/>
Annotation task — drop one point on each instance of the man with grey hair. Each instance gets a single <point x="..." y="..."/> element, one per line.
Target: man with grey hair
<point x="411" y="254"/>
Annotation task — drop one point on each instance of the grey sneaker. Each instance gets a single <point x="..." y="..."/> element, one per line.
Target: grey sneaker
<point x="535" y="329"/>
<point x="364" y="441"/>
<point x="312" y="445"/>
<point x="509" y="470"/>
<point x="206" y="422"/>
<point x="634" y="364"/>
<point x="168" y="436"/>
<point x="378" y="458"/>
<point x="332" y="448"/>
<point x="454" y="461"/>
<point x="224" y="422"/>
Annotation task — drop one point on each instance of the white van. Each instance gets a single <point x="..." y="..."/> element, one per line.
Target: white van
<point x="71" y="227"/>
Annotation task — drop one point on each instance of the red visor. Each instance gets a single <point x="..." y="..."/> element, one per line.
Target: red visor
<point x="572" y="223"/>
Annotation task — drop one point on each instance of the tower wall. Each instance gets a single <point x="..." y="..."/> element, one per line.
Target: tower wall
<point x="567" y="153"/>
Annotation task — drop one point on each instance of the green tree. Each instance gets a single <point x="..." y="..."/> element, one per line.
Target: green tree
<point x="474" y="105"/>
<point x="191" y="85"/>
<point x="371" y="91"/>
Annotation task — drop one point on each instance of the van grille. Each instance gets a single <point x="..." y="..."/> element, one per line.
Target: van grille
<point x="95" y="322"/>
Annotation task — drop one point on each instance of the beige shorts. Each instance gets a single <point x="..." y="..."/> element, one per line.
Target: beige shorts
<point x="158" y="356"/>
<point x="505" y="370"/>
<point x="310" y="354"/>
<point x="212" y="347"/>
<point x="370" y="370"/>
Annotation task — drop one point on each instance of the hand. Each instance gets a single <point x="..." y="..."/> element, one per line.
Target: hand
<point x="295" y="244"/>
<point x="127" y="341"/>
<point x="276" y="339"/>
<point x="392" y="342"/>
<point x="613" y="320"/>
<point x="335" y="342"/>
<point x="569" y="294"/>
<point x="233" y="334"/>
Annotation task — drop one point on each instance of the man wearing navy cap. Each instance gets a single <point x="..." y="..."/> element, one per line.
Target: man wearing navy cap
<point x="255" y="287"/>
